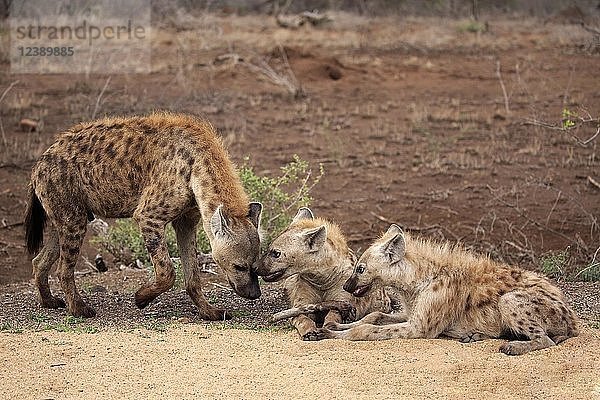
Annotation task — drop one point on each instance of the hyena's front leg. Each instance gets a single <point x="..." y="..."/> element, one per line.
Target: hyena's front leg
<point x="185" y="229"/>
<point x="431" y="316"/>
<point x="332" y="319"/>
<point x="164" y="273"/>
<point x="306" y="327"/>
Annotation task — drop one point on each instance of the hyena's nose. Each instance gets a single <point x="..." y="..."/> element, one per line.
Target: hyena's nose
<point x="350" y="284"/>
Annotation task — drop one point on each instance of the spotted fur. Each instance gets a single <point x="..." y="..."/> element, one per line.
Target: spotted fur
<point x="314" y="259"/>
<point x="158" y="168"/>
<point x="454" y="293"/>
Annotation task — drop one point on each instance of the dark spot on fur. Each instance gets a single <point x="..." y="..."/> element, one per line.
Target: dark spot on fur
<point x="110" y="150"/>
<point x="190" y="161"/>
<point x="153" y="244"/>
<point x="435" y="287"/>
<point x="128" y="143"/>
<point x="73" y="251"/>
<point x="514" y="314"/>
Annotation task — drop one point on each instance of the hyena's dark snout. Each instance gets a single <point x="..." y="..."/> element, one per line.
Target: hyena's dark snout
<point x="249" y="289"/>
<point x="351" y="283"/>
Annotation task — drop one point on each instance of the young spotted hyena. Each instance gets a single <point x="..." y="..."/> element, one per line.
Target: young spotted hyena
<point x="450" y="292"/>
<point x="313" y="257"/>
<point x="158" y="168"/>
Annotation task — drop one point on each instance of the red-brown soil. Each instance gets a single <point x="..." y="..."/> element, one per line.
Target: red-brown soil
<point x="409" y="119"/>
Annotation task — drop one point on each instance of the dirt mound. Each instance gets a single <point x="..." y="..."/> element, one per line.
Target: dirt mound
<point x="310" y="66"/>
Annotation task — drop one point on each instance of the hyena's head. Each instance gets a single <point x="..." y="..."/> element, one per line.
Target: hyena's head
<point x="301" y="248"/>
<point x="376" y="262"/>
<point x="236" y="248"/>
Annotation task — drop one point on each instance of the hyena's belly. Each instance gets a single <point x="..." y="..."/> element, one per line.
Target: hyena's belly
<point x="485" y="321"/>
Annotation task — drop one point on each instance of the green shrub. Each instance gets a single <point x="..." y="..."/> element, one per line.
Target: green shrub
<point x="280" y="195"/>
<point x="559" y="265"/>
<point x="554" y="264"/>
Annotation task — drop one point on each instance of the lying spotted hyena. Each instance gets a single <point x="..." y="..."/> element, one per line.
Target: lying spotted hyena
<point x="314" y="259"/>
<point x="158" y="168"/>
<point x="450" y="292"/>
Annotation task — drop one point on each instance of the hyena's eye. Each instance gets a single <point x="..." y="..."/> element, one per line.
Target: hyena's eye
<point x="360" y="268"/>
<point x="274" y="253"/>
<point x="240" y="267"/>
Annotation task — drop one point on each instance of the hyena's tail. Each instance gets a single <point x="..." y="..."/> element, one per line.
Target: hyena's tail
<point x="35" y="221"/>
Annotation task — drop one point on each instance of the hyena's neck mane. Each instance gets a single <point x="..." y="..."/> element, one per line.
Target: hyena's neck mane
<point x="425" y="259"/>
<point x="214" y="178"/>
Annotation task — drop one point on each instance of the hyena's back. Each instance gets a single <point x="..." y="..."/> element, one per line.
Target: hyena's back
<point x="107" y="165"/>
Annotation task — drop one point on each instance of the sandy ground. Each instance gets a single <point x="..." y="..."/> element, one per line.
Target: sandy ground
<point x="190" y="361"/>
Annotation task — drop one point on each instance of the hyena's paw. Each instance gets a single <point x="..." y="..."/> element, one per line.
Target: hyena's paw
<point x="515" y="348"/>
<point x="322" y="333"/>
<point x="311" y="336"/>
<point x="473" y="337"/>
<point x="143" y="297"/>
<point x="52" y="302"/>
<point x="214" y="314"/>
<point x="83" y="310"/>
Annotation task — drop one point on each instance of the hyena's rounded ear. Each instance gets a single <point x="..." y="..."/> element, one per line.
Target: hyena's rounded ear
<point x="394" y="230"/>
<point x="254" y="212"/>
<point x="218" y="222"/>
<point x="303" y="213"/>
<point x="395" y="247"/>
<point x="315" y="238"/>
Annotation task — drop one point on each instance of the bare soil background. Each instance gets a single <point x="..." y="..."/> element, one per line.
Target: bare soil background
<point x="408" y="117"/>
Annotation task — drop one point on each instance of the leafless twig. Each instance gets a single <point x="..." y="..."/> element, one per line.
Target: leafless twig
<point x="499" y="75"/>
<point x="4" y="93"/>
<point x="577" y="122"/>
<point x="524" y="215"/>
<point x="97" y="106"/>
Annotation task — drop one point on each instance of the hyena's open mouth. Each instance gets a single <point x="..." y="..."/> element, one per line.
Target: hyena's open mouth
<point x="274" y="276"/>
<point x="361" y="291"/>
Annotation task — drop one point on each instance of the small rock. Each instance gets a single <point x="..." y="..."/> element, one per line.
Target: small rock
<point x="28" y="125"/>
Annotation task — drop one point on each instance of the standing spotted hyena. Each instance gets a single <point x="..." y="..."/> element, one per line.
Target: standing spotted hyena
<point x="158" y="168"/>
<point x="450" y="292"/>
<point x="314" y="259"/>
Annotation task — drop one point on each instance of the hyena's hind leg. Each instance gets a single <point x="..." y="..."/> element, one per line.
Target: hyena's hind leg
<point x="42" y="264"/>
<point x="525" y="317"/>
<point x="70" y="239"/>
<point x="185" y="229"/>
